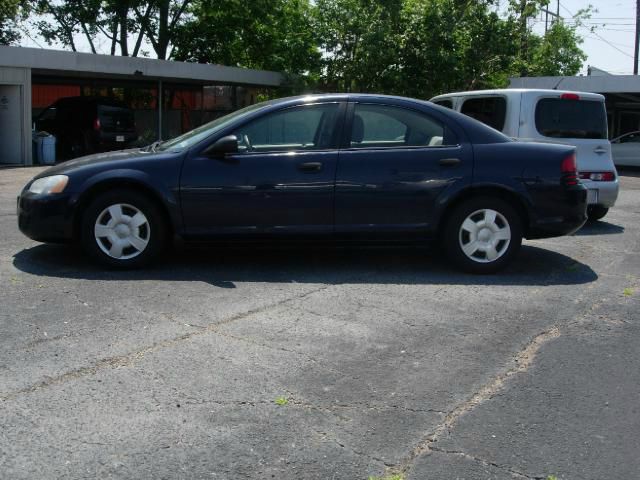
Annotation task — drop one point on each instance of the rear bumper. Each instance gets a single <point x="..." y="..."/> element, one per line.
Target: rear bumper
<point x="564" y="217"/>
<point x="117" y="140"/>
<point x="607" y="191"/>
<point x="46" y="218"/>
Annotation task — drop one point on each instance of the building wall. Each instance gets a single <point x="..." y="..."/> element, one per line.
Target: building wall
<point x="22" y="78"/>
<point x="44" y="95"/>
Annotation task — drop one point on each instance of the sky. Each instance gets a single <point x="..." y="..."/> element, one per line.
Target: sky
<point x="610" y="45"/>
<point x="608" y="35"/>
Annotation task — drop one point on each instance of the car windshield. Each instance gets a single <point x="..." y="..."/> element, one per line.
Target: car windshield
<point x="194" y="136"/>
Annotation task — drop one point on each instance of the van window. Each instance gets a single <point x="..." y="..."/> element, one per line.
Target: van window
<point x="491" y="111"/>
<point x="445" y="103"/>
<point x="565" y="118"/>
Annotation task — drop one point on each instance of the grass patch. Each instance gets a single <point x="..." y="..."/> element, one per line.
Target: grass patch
<point x="389" y="477"/>
<point x="282" y="401"/>
<point x="627" y="292"/>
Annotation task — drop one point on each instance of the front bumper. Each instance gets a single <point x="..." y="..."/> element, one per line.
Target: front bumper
<point x="46" y="218"/>
<point x="607" y="192"/>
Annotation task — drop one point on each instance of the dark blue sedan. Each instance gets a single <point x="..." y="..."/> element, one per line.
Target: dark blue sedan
<point x="342" y="168"/>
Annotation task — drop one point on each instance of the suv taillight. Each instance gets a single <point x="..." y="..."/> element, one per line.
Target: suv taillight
<point x="96" y="124"/>
<point x="569" y="170"/>
<point x="598" y="176"/>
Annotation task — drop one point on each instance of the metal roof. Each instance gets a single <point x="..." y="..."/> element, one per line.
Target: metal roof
<point x="589" y="83"/>
<point x="74" y="64"/>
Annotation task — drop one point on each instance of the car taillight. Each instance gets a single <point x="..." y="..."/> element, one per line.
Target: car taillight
<point x="570" y="96"/>
<point x="569" y="170"/>
<point x="96" y="124"/>
<point x="598" y="176"/>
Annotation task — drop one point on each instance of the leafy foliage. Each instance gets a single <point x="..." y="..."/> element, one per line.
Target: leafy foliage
<point x="266" y="34"/>
<point x="10" y="12"/>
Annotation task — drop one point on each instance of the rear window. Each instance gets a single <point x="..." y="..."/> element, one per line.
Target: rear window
<point x="489" y="110"/>
<point x="565" y="118"/>
<point x="115" y="117"/>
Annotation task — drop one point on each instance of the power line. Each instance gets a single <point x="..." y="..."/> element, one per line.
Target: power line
<point x="598" y="35"/>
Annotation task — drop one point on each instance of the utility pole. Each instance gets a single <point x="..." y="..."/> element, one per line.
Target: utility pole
<point x="635" y="56"/>
<point x="554" y="18"/>
<point x="523" y="36"/>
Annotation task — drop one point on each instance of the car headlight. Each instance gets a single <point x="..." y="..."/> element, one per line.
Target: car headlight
<point x="52" y="184"/>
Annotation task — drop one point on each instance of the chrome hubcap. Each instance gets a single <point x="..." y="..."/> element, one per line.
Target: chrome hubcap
<point x="485" y="236"/>
<point x="122" y="231"/>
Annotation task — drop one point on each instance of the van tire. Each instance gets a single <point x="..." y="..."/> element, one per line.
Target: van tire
<point x="596" y="212"/>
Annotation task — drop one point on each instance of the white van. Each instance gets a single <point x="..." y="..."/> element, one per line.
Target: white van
<point x="551" y="116"/>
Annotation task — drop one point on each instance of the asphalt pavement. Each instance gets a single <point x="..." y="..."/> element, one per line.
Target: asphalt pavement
<point x="263" y="363"/>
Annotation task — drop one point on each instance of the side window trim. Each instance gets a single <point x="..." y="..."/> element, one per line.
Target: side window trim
<point x="345" y="143"/>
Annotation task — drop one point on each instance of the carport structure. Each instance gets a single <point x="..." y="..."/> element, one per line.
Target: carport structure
<point x="173" y="96"/>
<point x="621" y="92"/>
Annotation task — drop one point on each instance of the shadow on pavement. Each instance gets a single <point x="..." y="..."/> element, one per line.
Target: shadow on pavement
<point x="223" y="266"/>
<point x="600" y="228"/>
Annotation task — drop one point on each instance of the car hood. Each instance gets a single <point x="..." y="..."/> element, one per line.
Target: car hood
<point x="96" y="159"/>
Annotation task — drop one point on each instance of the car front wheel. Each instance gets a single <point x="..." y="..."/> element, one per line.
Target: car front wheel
<point x="482" y="235"/>
<point x="123" y="229"/>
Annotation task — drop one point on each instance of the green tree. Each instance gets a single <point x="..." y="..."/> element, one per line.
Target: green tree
<point x="360" y="42"/>
<point x="264" y="34"/>
<point x="11" y="11"/>
<point x="557" y="53"/>
<point x="118" y="20"/>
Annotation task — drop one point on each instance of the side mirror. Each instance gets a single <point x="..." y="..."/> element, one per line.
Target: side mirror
<point x="222" y="147"/>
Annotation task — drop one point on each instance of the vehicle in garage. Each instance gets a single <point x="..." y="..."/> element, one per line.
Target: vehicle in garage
<point x="536" y="115"/>
<point x="625" y="150"/>
<point x="85" y="125"/>
<point x="342" y="167"/>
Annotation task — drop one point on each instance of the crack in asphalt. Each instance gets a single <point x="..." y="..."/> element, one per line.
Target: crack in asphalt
<point x="128" y="359"/>
<point x="358" y="453"/>
<point x="487" y="463"/>
<point x="524" y="359"/>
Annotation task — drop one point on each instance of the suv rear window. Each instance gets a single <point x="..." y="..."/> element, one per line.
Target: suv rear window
<point x="491" y="111"/>
<point x="566" y="118"/>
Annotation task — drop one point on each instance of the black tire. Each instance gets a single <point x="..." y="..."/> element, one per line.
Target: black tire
<point x="596" y="212"/>
<point x="476" y="209"/>
<point x="153" y="231"/>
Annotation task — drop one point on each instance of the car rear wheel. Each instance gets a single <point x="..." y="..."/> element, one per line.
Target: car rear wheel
<point x="482" y="235"/>
<point x="123" y="229"/>
<point x="596" y="212"/>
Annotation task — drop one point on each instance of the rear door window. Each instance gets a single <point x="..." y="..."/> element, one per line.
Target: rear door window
<point x="568" y="118"/>
<point x="491" y="111"/>
<point x="385" y="126"/>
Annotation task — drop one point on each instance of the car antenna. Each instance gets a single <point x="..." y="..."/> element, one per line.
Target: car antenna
<point x="558" y="84"/>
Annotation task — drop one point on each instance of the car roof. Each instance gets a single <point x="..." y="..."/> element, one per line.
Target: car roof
<point x="519" y="91"/>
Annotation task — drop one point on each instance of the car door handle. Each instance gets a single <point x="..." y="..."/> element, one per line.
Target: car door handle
<point x="310" y="166"/>
<point x="449" y="162"/>
<point x="600" y="150"/>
